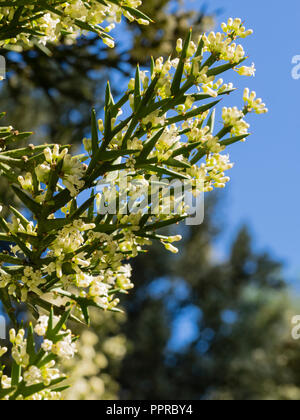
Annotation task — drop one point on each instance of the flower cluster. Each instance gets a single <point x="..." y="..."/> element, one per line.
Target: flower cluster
<point x="35" y="374"/>
<point x="52" y="20"/>
<point x="233" y="118"/>
<point x="72" y="171"/>
<point x="254" y="104"/>
<point x="235" y="28"/>
<point x="97" y="354"/>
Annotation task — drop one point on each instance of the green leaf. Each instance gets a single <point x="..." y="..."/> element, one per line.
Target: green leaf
<point x="83" y="208"/>
<point x="137" y="13"/>
<point x="15" y="374"/>
<point x="30" y="343"/>
<point x="137" y="89"/>
<point x="148" y="95"/>
<point x="4" y="225"/>
<point x="177" y="163"/>
<point x="115" y="154"/>
<point x="20" y="216"/>
<point x="5" y="237"/>
<point x="165" y="171"/>
<point x="17" y="137"/>
<point x="202" y="96"/>
<point x="180" y="68"/>
<point x="22" y="245"/>
<point x="186" y="149"/>
<point x="179" y="99"/>
<point x="91" y="207"/>
<point x="150" y="145"/>
<point x="45" y="359"/>
<point x="9" y="309"/>
<point x="50" y="322"/>
<point x="160" y="225"/>
<point x="74" y="206"/>
<point x="85" y="313"/>
<point x="32" y="239"/>
<point x="52" y="182"/>
<point x="152" y="66"/>
<point x="54" y="224"/>
<point x="157" y="105"/>
<point x="5" y="392"/>
<point x="202" y="152"/>
<point x="116" y="108"/>
<point x="13" y="163"/>
<point x="211" y="121"/>
<point x="109" y="103"/>
<point x="64" y="318"/>
<point x="199" y="51"/>
<point x="10" y="259"/>
<point x="222" y="133"/>
<point x="60" y="200"/>
<point x="222" y="69"/>
<point x="29" y="151"/>
<point x="84" y="303"/>
<point x="209" y="62"/>
<point x="35" y="160"/>
<point x="6" y="171"/>
<point x="192" y="114"/>
<point x="233" y="140"/>
<point x="61" y="389"/>
<point x="95" y="138"/>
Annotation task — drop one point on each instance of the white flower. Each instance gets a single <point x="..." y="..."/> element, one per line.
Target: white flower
<point x="179" y="45"/>
<point x="26" y="183"/>
<point x="171" y="248"/>
<point x="42" y="325"/>
<point x="51" y="26"/>
<point x="47" y="345"/>
<point x="33" y="376"/>
<point x="5" y="382"/>
<point x="65" y="349"/>
<point x="109" y="42"/>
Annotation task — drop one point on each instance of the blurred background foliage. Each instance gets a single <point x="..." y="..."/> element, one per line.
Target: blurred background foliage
<point x="95" y="370"/>
<point x="195" y="327"/>
<point x="200" y="329"/>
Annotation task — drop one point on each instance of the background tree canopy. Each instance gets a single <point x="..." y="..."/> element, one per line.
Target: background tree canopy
<point x="237" y="318"/>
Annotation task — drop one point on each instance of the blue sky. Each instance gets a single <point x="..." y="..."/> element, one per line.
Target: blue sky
<point x="264" y="191"/>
